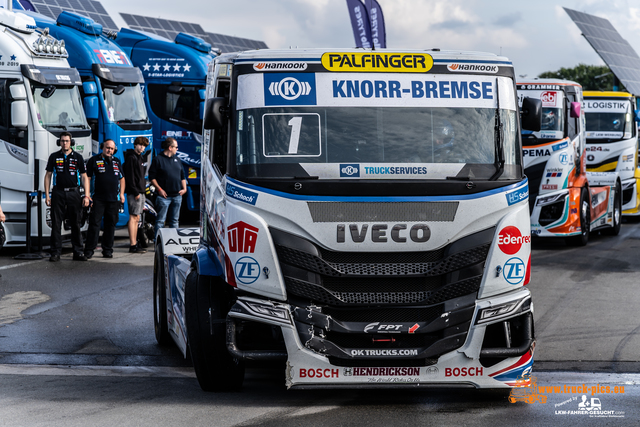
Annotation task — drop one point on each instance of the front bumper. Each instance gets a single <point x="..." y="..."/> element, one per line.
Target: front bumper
<point x="475" y="357"/>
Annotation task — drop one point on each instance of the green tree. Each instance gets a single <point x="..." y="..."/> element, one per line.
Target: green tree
<point x="591" y="77"/>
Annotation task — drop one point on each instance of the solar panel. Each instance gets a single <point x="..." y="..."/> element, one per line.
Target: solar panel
<point x="615" y="51"/>
<point x="170" y="29"/>
<point x="90" y="8"/>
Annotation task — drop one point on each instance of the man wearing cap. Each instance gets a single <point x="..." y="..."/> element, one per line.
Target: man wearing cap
<point x="65" y="168"/>
<point x="136" y="186"/>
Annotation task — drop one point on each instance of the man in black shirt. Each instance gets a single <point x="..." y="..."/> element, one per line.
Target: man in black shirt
<point x="108" y="194"/>
<point x="69" y="194"/>
<point x="134" y="172"/>
<point x="167" y="175"/>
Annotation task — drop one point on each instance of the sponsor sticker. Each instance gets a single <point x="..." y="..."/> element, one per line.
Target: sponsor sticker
<point x="564" y="158"/>
<point x="560" y="146"/>
<point x="242" y="194"/>
<point x="247" y="270"/>
<point x="514" y="271"/>
<point x="384" y="352"/>
<point x="349" y="170"/>
<point x="242" y="237"/>
<point x="383" y="372"/>
<point x="476" y="68"/>
<point x="549" y="187"/>
<point x="510" y="240"/>
<point x="549" y="98"/>
<point x="518" y="195"/>
<point x="289" y="89"/>
<point x="377" y="62"/>
<point x="463" y="372"/>
<point x="319" y="373"/>
<point x="279" y="66"/>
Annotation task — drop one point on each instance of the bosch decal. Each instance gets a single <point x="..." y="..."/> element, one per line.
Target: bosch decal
<point x="289" y="89"/>
<point x="319" y="373"/>
<point x="514" y="271"/>
<point x="242" y="194"/>
<point x="463" y="372"/>
<point x="510" y="240"/>
<point x="242" y="237"/>
<point x="247" y="270"/>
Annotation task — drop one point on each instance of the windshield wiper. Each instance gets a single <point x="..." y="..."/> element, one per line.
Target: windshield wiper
<point x="131" y="121"/>
<point x="56" y="126"/>
<point x="499" y="163"/>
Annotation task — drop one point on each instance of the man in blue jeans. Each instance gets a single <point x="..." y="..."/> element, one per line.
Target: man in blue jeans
<point x="167" y="175"/>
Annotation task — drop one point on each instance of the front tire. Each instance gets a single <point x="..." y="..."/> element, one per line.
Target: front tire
<point x="207" y="303"/>
<point x="585" y="220"/>
<point x="160" y="300"/>
<point x="617" y="212"/>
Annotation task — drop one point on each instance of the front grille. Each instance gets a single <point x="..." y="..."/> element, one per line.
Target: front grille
<point x="382" y="211"/>
<point x="318" y="293"/>
<point x="407" y="290"/>
<point x="392" y="266"/>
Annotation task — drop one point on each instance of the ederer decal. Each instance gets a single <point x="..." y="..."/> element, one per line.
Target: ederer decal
<point x="510" y="240"/>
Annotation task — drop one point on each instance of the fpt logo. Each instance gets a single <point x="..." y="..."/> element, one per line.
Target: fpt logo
<point x="242" y="237"/>
<point x="290" y="89"/>
<point x="350" y="170"/>
<point x="514" y="271"/>
<point x="549" y="98"/>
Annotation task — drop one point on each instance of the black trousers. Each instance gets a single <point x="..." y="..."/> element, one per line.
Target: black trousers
<point x="100" y="210"/>
<point x="66" y="204"/>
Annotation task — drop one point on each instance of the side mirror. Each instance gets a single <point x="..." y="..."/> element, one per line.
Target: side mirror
<point x="574" y="111"/>
<point x="531" y="114"/>
<point x="175" y="89"/>
<point x="214" y="118"/>
<point x="19" y="114"/>
<point x="89" y="88"/>
<point x="91" y="109"/>
<point x="119" y="90"/>
<point x="48" y="91"/>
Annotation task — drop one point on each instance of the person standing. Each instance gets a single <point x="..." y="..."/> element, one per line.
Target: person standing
<point x="167" y="175"/>
<point x="65" y="168"/>
<point x="108" y="194"/>
<point x="136" y="186"/>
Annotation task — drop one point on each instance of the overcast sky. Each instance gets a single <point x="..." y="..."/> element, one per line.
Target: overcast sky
<point x="537" y="35"/>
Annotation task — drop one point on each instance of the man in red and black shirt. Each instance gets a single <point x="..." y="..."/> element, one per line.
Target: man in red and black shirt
<point x="66" y="201"/>
<point x="108" y="194"/>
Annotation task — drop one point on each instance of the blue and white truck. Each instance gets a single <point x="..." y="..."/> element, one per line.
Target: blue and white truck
<point x="111" y="86"/>
<point x="365" y="220"/>
<point x="175" y="75"/>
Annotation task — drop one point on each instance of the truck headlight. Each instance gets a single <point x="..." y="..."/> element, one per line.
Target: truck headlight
<point x="546" y="200"/>
<point x="268" y="310"/>
<point x="502" y="310"/>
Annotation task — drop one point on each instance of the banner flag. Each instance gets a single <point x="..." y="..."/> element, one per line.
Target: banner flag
<point x="360" y="23"/>
<point x="376" y="19"/>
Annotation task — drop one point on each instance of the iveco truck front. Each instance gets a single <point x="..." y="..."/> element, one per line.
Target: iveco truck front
<point x="365" y="219"/>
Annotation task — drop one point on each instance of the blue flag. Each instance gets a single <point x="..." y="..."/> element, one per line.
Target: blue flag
<point x="360" y="23"/>
<point x="376" y="20"/>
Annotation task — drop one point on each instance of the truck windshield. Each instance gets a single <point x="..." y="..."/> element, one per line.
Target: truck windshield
<point x="128" y="107"/>
<point x="61" y="110"/>
<point x="376" y="142"/>
<point x="608" y="126"/>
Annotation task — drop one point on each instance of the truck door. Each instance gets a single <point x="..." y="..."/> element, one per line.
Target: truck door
<point x="15" y="170"/>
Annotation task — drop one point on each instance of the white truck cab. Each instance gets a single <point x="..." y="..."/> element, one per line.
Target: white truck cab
<point x="364" y="218"/>
<point x="40" y="99"/>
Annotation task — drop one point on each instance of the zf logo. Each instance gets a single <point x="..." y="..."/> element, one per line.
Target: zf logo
<point x="514" y="271"/>
<point x="289" y="89"/>
<point x="247" y="270"/>
<point x="564" y="158"/>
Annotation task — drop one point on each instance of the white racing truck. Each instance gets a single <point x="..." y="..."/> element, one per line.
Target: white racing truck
<point x="40" y="100"/>
<point x="365" y="221"/>
<point x="566" y="201"/>
<point x="612" y="142"/>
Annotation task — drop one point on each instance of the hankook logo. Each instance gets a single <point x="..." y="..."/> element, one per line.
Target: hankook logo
<point x="277" y="66"/>
<point x="418" y="233"/>
<point x="479" y="68"/>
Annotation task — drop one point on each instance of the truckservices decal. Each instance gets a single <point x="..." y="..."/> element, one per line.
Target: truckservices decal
<point x="380" y="90"/>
